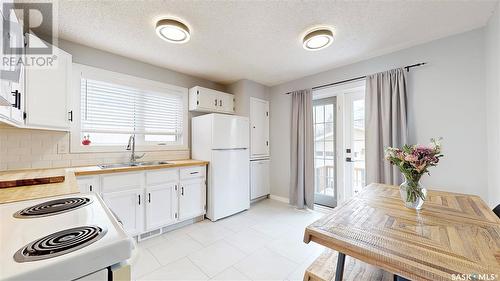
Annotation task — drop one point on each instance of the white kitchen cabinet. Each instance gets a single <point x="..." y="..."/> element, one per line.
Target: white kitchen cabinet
<point x="259" y="179"/>
<point x="192" y="198"/>
<point x="207" y="100"/>
<point x="147" y="201"/>
<point x="259" y="128"/>
<point x="47" y="92"/>
<point x="88" y="184"/>
<point x="161" y="205"/>
<point x="128" y="206"/>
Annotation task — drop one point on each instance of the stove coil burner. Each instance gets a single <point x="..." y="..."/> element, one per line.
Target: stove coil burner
<point x="53" y="207"/>
<point x="60" y="243"/>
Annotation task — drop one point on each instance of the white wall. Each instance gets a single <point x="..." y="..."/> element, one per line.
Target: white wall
<point x="446" y="98"/>
<point x="492" y="59"/>
<point x="243" y="90"/>
<point x="25" y="149"/>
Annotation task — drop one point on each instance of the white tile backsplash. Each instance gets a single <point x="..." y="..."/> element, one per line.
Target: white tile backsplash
<point x="34" y="149"/>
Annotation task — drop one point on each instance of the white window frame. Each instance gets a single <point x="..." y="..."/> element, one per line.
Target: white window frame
<point x="80" y="71"/>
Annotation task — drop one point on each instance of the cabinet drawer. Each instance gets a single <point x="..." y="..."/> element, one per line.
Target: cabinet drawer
<point x="162" y="176"/>
<point x="193" y="172"/>
<point x="121" y="182"/>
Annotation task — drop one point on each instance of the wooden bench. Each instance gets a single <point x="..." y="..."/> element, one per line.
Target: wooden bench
<point x="323" y="269"/>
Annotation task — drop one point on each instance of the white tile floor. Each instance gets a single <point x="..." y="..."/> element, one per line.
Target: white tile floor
<point x="263" y="243"/>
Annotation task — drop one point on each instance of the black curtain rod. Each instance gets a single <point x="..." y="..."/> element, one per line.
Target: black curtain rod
<point x="358" y="78"/>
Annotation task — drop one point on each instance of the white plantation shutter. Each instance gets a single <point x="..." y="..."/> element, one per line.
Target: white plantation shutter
<point x="112" y="108"/>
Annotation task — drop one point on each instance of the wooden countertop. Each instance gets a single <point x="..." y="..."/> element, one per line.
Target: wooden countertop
<point x="21" y="193"/>
<point x="69" y="186"/>
<point x="453" y="234"/>
<point x="95" y="170"/>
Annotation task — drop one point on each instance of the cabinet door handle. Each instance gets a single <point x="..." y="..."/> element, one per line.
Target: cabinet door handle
<point x="90" y="188"/>
<point x="17" y="99"/>
<point x="215" y="102"/>
<point x="139" y="199"/>
<point x="220" y="102"/>
<point x="70" y="115"/>
<point x="175" y="187"/>
<point x="182" y="190"/>
<point x="193" y="173"/>
<point x="149" y="197"/>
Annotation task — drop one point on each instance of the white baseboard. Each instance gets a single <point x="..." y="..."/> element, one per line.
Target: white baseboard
<point x="279" y="198"/>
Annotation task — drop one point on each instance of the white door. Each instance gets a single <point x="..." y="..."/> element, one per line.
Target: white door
<point x="259" y="179"/>
<point x="325" y="137"/>
<point x="191" y="199"/>
<point x="128" y="207"/>
<point x="259" y="127"/>
<point x="47" y="93"/>
<point x="229" y="187"/>
<point x="355" y="142"/>
<point x="161" y="205"/>
<point x="229" y="132"/>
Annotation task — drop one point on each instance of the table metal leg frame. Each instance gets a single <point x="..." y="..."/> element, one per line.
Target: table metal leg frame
<point x="339" y="273"/>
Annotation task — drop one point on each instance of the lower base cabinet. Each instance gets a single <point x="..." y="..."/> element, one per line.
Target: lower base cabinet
<point x="192" y="199"/>
<point x="147" y="201"/>
<point x="161" y="205"/>
<point x="128" y="207"/>
<point x="259" y="179"/>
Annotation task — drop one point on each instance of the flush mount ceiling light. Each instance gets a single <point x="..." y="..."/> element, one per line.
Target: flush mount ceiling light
<point x="317" y="39"/>
<point x="172" y="31"/>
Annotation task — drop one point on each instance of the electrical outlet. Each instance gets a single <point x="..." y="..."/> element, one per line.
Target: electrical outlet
<point x="62" y="148"/>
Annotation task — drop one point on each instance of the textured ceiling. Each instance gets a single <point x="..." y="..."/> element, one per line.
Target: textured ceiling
<point x="261" y="40"/>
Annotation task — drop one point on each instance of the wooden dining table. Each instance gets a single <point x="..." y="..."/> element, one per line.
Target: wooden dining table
<point x="453" y="237"/>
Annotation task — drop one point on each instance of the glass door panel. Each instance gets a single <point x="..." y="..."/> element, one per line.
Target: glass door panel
<point x="355" y="143"/>
<point x="325" y="187"/>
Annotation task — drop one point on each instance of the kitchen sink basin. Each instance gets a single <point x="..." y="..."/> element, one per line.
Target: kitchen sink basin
<point x="134" y="164"/>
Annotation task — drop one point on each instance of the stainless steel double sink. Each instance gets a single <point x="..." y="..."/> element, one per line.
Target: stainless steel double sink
<point x="132" y="164"/>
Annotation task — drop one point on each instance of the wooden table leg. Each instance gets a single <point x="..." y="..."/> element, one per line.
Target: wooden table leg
<point x="399" y="278"/>
<point x="339" y="274"/>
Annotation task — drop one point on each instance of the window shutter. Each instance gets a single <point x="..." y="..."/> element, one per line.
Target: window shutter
<point x="112" y="108"/>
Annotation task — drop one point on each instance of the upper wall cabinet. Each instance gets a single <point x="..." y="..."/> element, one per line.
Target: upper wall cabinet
<point x="208" y="100"/>
<point x="47" y="92"/>
<point x="259" y="128"/>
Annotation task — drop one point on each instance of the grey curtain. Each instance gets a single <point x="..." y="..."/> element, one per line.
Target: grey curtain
<point x="302" y="150"/>
<point x="385" y="123"/>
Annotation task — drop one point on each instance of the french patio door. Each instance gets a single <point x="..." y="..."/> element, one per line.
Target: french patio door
<point x="339" y="143"/>
<point x="325" y="183"/>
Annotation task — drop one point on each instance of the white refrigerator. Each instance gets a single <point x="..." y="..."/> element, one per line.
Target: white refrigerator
<point x="223" y="140"/>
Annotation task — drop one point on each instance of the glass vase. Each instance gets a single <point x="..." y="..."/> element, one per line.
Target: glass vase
<point x="412" y="194"/>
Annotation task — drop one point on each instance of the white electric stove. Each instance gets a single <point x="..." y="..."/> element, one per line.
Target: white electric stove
<point x="60" y="238"/>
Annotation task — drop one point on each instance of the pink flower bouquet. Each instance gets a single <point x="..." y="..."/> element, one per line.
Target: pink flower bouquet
<point x="414" y="161"/>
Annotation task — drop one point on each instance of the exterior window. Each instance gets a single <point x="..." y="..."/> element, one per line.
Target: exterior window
<point x="114" y="106"/>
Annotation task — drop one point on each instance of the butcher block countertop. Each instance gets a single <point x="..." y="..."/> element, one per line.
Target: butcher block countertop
<point x="21" y="193"/>
<point x="69" y="186"/>
<point x="95" y="170"/>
